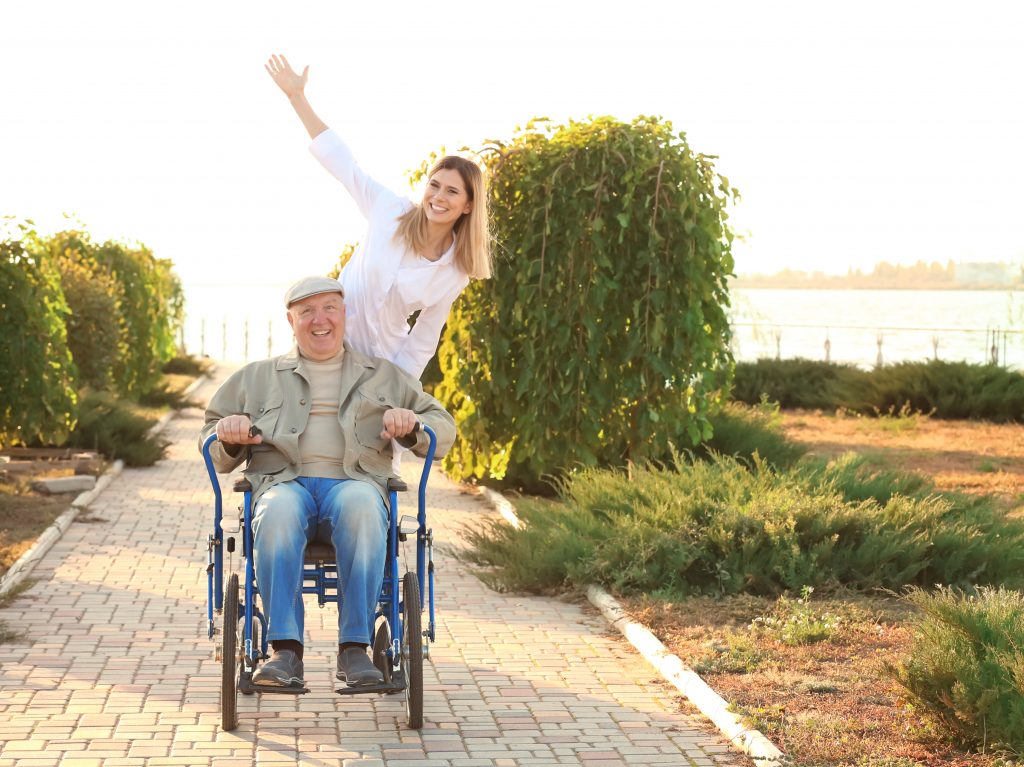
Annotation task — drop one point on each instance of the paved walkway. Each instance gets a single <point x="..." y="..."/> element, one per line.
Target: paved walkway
<point x="115" y="668"/>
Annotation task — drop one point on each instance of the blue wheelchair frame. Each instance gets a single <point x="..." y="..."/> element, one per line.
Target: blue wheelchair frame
<point x="320" y="577"/>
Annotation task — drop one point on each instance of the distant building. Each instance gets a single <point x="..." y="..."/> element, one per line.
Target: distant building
<point x="989" y="273"/>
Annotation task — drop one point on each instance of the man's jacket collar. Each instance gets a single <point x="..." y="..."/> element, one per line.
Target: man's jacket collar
<point x="291" y="360"/>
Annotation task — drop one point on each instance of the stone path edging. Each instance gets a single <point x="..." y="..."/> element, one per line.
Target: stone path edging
<point x="752" y="742"/>
<point x="18" y="571"/>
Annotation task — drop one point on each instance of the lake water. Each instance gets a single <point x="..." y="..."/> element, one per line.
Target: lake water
<point x="789" y="322"/>
<point x="900" y="325"/>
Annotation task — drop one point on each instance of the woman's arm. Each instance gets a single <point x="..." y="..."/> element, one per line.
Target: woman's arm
<point x="327" y="147"/>
<point x="294" y="87"/>
<point x="421" y="343"/>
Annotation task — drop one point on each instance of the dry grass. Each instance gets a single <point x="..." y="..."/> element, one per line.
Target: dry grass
<point x="969" y="456"/>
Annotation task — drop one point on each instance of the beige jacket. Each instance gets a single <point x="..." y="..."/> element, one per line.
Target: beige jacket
<point x="274" y="393"/>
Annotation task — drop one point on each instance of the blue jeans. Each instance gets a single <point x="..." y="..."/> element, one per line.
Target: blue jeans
<point x="348" y="513"/>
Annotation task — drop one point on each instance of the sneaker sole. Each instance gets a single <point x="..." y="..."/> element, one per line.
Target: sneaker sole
<point x="270" y="682"/>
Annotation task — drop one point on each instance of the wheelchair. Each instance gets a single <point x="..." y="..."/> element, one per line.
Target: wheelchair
<point x="400" y="641"/>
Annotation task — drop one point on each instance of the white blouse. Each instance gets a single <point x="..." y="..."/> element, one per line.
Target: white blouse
<point x="384" y="281"/>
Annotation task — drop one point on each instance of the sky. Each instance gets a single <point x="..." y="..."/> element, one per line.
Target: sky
<point x="855" y="132"/>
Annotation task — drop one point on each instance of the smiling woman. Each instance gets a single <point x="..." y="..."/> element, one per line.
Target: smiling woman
<point x="415" y="257"/>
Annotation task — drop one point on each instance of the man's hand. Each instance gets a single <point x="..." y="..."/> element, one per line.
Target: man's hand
<point x="287" y="80"/>
<point x="234" y="430"/>
<point x="398" y="422"/>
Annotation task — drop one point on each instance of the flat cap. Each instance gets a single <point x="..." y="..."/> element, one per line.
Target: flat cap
<point x="311" y="286"/>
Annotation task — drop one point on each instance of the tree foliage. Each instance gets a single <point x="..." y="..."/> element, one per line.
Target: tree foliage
<point x="603" y="336"/>
<point x="95" y="327"/>
<point x="37" y="375"/>
<point x="152" y="308"/>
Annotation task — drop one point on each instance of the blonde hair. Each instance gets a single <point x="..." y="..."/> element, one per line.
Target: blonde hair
<point x="472" y="239"/>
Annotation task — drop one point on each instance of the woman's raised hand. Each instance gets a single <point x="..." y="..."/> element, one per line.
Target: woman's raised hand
<point x="285" y="77"/>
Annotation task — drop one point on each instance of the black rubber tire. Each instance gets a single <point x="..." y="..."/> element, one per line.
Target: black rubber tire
<point x="381" y="643"/>
<point x="229" y="658"/>
<point x="412" y="650"/>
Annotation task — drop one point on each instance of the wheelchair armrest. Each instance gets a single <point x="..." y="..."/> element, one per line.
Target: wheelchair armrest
<point x="242" y="485"/>
<point x="396" y="485"/>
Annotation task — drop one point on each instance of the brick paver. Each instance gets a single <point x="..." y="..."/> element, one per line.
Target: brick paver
<point x="115" y="669"/>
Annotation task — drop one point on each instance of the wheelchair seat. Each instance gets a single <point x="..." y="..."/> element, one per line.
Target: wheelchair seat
<point x="317" y="552"/>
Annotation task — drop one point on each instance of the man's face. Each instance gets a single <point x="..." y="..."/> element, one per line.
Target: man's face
<point x="318" y="323"/>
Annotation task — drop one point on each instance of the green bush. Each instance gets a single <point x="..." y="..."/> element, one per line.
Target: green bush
<point x="37" y="374"/>
<point x="743" y="431"/>
<point x="966" y="664"/>
<point x="152" y="308"/>
<point x="118" y="429"/>
<point x="188" y="365"/>
<point x="943" y="389"/>
<point x="950" y="389"/>
<point x="164" y="394"/>
<point x="603" y="335"/>
<point x="792" y="383"/>
<point x="95" y="327"/>
<point x="718" y="527"/>
<point x="859" y="478"/>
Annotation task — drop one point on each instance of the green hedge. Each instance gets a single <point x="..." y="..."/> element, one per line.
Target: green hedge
<point x="152" y="309"/>
<point x="76" y="318"/>
<point x="944" y="389"/>
<point x="37" y="376"/>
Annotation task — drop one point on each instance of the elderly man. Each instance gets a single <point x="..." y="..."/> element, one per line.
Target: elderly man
<point x="319" y="461"/>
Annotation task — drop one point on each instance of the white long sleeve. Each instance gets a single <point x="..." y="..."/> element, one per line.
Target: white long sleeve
<point x="420" y="343"/>
<point x="338" y="160"/>
<point x="384" y="282"/>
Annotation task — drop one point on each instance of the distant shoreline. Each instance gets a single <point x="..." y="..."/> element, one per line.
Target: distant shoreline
<point x="841" y="284"/>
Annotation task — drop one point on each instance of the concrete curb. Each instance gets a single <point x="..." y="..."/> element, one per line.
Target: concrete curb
<point x="671" y="667"/>
<point x="27" y="561"/>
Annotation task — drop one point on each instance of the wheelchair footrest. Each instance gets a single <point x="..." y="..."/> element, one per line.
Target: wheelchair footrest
<point x="396" y="685"/>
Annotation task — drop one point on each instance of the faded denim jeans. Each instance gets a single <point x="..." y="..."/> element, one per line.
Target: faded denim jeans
<point x="350" y="514"/>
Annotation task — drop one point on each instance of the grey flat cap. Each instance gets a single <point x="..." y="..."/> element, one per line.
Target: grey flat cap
<point x="311" y="286"/>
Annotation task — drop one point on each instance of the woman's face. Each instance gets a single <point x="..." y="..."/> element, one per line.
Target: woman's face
<point x="445" y="199"/>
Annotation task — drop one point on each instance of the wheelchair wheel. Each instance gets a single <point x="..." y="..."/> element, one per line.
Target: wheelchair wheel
<point x="381" y="645"/>
<point x="412" y="650"/>
<point x="229" y="658"/>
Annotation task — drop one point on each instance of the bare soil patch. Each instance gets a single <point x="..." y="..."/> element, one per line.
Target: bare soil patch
<point x="24" y="515"/>
<point x="827" y="704"/>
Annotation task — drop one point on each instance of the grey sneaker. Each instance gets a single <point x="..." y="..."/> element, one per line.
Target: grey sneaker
<point x="284" y="669"/>
<point x="356" y="668"/>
